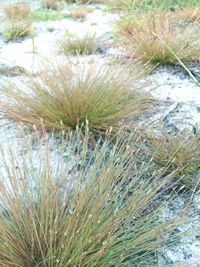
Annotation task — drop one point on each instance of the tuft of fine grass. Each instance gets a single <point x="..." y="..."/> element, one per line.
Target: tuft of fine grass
<point x="177" y="153"/>
<point x="81" y="13"/>
<point x="17" y="23"/>
<point x="65" y="96"/>
<point x="160" y="40"/>
<point x="188" y="14"/>
<point x="17" y="11"/>
<point x="79" y="45"/>
<point x="90" y="208"/>
<point x="50" y="4"/>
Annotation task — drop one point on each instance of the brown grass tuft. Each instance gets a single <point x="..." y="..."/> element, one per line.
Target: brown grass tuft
<point x="18" y="23"/>
<point x="177" y="153"/>
<point x="17" y="11"/>
<point x="50" y="4"/>
<point x="79" y="45"/>
<point x="89" y="208"/>
<point x="159" y="39"/>
<point x="67" y="96"/>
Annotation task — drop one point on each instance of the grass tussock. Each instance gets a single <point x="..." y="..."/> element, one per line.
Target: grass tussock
<point x="81" y="13"/>
<point x="188" y="14"/>
<point x="65" y="96"/>
<point x="79" y="45"/>
<point x="50" y="4"/>
<point x="159" y="39"/>
<point x="177" y="153"/>
<point x="18" y="23"/>
<point x="17" y="11"/>
<point x="19" y="29"/>
<point x="89" y="211"/>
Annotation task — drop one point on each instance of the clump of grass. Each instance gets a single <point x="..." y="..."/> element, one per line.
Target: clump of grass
<point x="79" y="45"/>
<point x="17" y="11"/>
<point x="81" y="210"/>
<point x="177" y="153"/>
<point x="159" y="39"/>
<point x="18" y="23"/>
<point x="50" y="4"/>
<point x="81" y="13"/>
<point x="65" y="96"/>
<point x="18" y="29"/>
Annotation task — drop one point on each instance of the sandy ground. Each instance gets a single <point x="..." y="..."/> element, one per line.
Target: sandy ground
<point x="171" y="84"/>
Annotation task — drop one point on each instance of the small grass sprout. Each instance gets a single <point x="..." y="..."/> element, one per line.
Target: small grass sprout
<point x="160" y="40"/>
<point x="64" y="96"/>
<point x="90" y="208"/>
<point x="17" y="30"/>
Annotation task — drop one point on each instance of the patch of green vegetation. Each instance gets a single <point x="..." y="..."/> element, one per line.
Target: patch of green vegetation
<point x="17" y="22"/>
<point x="159" y="39"/>
<point x="46" y="14"/>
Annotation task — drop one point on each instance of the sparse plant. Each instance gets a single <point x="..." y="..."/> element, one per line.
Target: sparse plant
<point x="66" y="96"/>
<point x="18" y="29"/>
<point x="86" y="44"/>
<point x="159" y="39"/>
<point x="18" y="23"/>
<point x="177" y="153"/>
<point x="87" y="209"/>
